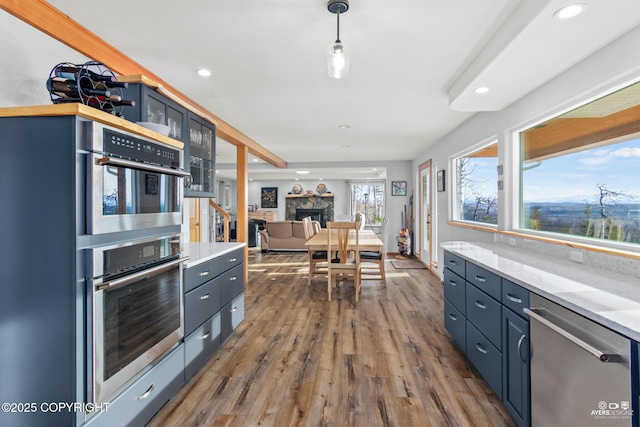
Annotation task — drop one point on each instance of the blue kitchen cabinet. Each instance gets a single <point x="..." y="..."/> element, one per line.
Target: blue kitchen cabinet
<point x="484" y="315"/>
<point x="214" y="306"/>
<point x="516" y="378"/>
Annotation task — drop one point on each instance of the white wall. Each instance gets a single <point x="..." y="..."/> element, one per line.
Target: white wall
<point x="614" y="66"/>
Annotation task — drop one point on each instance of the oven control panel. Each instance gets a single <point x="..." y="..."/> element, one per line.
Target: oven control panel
<point x="138" y="149"/>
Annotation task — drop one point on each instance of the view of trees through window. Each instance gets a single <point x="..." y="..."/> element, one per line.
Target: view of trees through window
<point x="581" y="172"/>
<point x="368" y="199"/>
<point x="476" y="186"/>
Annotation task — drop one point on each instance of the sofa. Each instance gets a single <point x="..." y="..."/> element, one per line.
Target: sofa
<point x="284" y="236"/>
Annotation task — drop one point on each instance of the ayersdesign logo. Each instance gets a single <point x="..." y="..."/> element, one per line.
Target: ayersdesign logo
<point x="612" y="410"/>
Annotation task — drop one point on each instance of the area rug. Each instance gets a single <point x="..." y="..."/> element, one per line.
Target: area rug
<point x="407" y="263"/>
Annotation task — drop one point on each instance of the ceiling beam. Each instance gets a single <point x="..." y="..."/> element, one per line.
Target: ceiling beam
<point x="51" y="21"/>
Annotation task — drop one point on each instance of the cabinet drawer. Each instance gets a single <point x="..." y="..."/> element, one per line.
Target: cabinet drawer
<point x="200" y="345"/>
<point x="200" y="304"/>
<point x="231" y="316"/>
<point x="515" y="297"/>
<point x="140" y="402"/>
<point x="485" y="313"/>
<point x="454" y="290"/>
<point x="454" y="322"/>
<point x="486" y="358"/>
<point x="200" y="273"/>
<point x="485" y="280"/>
<point x="231" y="283"/>
<point x="454" y="263"/>
<point x="231" y="259"/>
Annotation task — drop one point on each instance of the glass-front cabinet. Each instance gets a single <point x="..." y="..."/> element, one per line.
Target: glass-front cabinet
<point x="155" y="108"/>
<point x="200" y="156"/>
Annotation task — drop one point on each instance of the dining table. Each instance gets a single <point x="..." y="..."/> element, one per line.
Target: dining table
<point x="367" y="241"/>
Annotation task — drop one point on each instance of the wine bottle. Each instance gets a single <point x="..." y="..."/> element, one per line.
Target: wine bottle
<point x="69" y="89"/>
<point x="72" y="72"/>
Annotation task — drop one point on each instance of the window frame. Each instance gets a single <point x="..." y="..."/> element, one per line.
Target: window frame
<point x="515" y="195"/>
<point x="452" y="183"/>
<point x="368" y="182"/>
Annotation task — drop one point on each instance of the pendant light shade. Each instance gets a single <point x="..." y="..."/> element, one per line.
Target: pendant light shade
<point x="338" y="56"/>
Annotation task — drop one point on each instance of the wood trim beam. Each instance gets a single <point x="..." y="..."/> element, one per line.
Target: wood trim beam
<point x="562" y="135"/>
<point x="51" y="21"/>
<point x="242" y="217"/>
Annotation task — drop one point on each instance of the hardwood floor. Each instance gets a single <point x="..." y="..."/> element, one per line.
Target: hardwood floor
<point x="298" y="359"/>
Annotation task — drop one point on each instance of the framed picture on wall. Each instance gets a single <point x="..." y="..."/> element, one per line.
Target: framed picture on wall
<point x="440" y="180"/>
<point x="269" y="197"/>
<point x="398" y="188"/>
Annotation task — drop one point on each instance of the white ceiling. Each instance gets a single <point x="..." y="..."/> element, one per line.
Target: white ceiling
<point x="412" y="61"/>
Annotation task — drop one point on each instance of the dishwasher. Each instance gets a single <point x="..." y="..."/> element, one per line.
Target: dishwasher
<point x="580" y="370"/>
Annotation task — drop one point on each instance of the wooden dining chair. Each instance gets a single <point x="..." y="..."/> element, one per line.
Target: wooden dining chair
<point x="317" y="259"/>
<point x="374" y="257"/>
<point x="342" y="266"/>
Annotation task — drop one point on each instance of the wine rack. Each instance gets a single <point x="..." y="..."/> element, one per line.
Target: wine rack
<point x="91" y="83"/>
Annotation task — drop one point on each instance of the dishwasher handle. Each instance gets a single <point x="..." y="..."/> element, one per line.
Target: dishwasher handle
<point x="601" y="356"/>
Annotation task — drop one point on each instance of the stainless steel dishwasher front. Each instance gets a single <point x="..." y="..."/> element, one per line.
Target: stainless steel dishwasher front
<point x="580" y="370"/>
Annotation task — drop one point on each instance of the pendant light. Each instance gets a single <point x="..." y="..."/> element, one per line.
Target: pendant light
<point x="338" y="53"/>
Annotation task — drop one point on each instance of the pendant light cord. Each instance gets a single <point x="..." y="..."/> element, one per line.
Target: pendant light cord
<point x="338" y="16"/>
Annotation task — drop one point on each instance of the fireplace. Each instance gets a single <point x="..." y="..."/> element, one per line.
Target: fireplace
<point x="315" y="214"/>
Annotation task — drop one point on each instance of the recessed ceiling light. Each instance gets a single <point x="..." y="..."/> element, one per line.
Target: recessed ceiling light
<point x="302" y="172"/>
<point x="297" y="179"/>
<point x="203" y="72"/>
<point x="346" y="146"/>
<point x="344" y="126"/>
<point x="482" y="89"/>
<point x="570" y="11"/>
<point x="250" y="179"/>
<point x="256" y="160"/>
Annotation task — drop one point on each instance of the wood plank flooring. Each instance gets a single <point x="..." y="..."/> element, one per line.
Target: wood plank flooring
<point x="299" y="360"/>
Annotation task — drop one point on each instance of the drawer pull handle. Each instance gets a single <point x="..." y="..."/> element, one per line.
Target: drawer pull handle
<point x="481" y="349"/>
<point x="514" y="299"/>
<point x="235" y="308"/>
<point x="481" y="305"/>
<point x="206" y="335"/>
<point x="233" y="278"/>
<point x="481" y="279"/>
<point x="453" y="263"/>
<point x="452" y="283"/>
<point x="453" y="316"/>
<point x="205" y="296"/>
<point x="204" y="273"/>
<point x="233" y="259"/>
<point x="145" y="394"/>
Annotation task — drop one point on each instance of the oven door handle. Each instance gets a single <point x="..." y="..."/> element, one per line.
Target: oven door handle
<point x="139" y="275"/>
<point x="111" y="161"/>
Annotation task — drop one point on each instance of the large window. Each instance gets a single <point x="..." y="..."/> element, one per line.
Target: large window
<point x="476" y="176"/>
<point x="368" y="199"/>
<point x="580" y="172"/>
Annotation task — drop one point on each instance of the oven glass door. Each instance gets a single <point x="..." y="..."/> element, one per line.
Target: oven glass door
<point x="137" y="318"/>
<point x="128" y="197"/>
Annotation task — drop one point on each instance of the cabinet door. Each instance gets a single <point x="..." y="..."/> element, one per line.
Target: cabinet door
<point x="200" y="157"/>
<point x="516" y="372"/>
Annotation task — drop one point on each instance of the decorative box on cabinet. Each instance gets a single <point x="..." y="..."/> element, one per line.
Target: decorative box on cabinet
<point x="199" y="155"/>
<point x="142" y="399"/>
<point x="153" y="107"/>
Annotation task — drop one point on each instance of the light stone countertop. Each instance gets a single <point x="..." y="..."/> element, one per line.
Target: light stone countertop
<point x="199" y="252"/>
<point x="610" y="299"/>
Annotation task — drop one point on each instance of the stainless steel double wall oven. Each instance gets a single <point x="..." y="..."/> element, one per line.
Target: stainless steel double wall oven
<point x="134" y="266"/>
